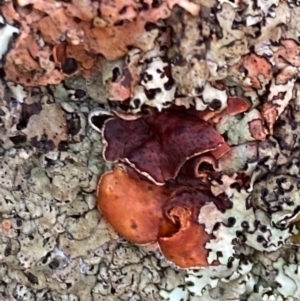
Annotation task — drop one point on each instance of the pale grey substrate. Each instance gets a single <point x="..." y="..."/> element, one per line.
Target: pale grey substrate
<point x="60" y="247"/>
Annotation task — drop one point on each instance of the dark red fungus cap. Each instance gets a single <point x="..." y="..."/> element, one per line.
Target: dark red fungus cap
<point x="158" y="144"/>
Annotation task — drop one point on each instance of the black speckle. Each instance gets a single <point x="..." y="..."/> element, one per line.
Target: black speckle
<point x="7" y="250"/>
<point x="169" y="84"/>
<point x="98" y="121"/>
<point x="150" y="26"/>
<point x="215" y="104"/>
<point x="200" y="56"/>
<point x="43" y="144"/>
<point x="155" y="3"/>
<point x="32" y="278"/>
<point x="147" y="77"/>
<point x="264" y="192"/>
<point x="231" y="222"/>
<point x="54" y="264"/>
<point x="116" y="73"/>
<point x="245" y="225"/>
<point x="69" y="66"/>
<point x="216" y="226"/>
<point x="123" y="10"/>
<point x="19" y="222"/>
<point x="79" y="93"/>
<point x="136" y="102"/>
<point x="75" y="19"/>
<point x="229" y="264"/>
<point x="18" y="139"/>
<point x="145" y="6"/>
<point x="263" y="229"/>
<point x="63" y="146"/>
<point x="260" y="239"/>
<point x="151" y="93"/>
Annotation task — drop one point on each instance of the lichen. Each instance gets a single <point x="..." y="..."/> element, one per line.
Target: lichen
<point x="61" y="60"/>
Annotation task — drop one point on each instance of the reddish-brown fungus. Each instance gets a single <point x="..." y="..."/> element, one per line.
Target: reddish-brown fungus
<point x="143" y="213"/>
<point x="236" y="105"/>
<point x="158" y="144"/>
<point x="221" y="151"/>
<point x="186" y="246"/>
<point x="132" y="206"/>
<point x="182" y="137"/>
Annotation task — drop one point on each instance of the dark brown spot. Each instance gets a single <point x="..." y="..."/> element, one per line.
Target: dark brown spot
<point x="133" y="225"/>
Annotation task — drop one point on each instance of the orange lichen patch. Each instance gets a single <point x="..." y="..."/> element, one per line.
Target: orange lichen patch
<point x="288" y="54"/>
<point x="133" y="207"/>
<point x="63" y="51"/>
<point x="59" y="54"/>
<point x="113" y="41"/>
<point x="116" y="11"/>
<point x="118" y="91"/>
<point x="286" y="74"/>
<point x="53" y="28"/>
<point x="257" y="129"/>
<point x="123" y="88"/>
<point x="54" y="22"/>
<point x="257" y="66"/>
<point x="84" y="10"/>
<point x="191" y="7"/>
<point x="270" y="115"/>
<point x="6" y="224"/>
<point x="30" y="65"/>
<point x="252" y="70"/>
<point x="25" y="78"/>
<point x="26" y="13"/>
<point x="236" y="105"/>
<point x="33" y="16"/>
<point x="9" y="12"/>
<point x="86" y="61"/>
<point x="45" y="6"/>
<point x="186" y="246"/>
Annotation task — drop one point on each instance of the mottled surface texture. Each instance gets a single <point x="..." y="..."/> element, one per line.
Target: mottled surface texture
<point x="205" y="99"/>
